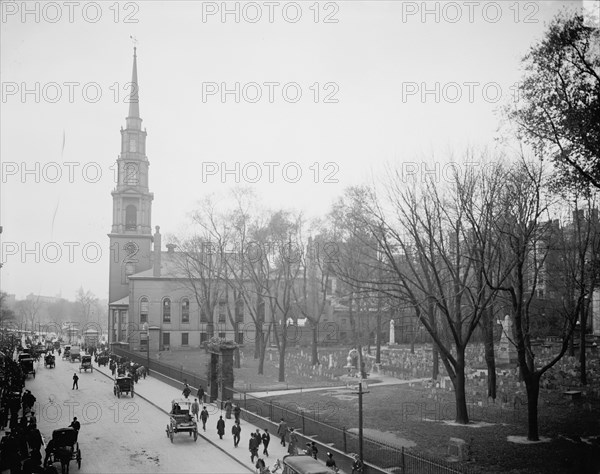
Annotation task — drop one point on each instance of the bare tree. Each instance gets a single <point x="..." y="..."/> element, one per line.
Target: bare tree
<point x="525" y="235"/>
<point x="427" y="245"/>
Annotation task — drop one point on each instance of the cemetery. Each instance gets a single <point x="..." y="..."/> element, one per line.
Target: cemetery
<point x="406" y="408"/>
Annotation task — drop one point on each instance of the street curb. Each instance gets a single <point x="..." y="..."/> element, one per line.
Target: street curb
<point x="199" y="434"/>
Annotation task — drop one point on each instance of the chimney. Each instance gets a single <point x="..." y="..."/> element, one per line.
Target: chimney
<point x="156" y="265"/>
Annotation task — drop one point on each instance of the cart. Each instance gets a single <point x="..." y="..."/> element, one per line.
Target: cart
<point x="27" y="366"/>
<point x="123" y="384"/>
<point x="181" y="419"/>
<point x="67" y="353"/>
<point x="103" y="360"/>
<point x="63" y="448"/>
<point x="86" y="363"/>
<point x="49" y="361"/>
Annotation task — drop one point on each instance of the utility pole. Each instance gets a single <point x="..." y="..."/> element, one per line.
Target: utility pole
<point x="360" y="421"/>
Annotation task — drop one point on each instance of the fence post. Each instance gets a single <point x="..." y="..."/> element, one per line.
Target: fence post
<point x="271" y="410"/>
<point x="344" y="437"/>
<point x="402" y="460"/>
<point x="303" y="427"/>
<point x="245" y="405"/>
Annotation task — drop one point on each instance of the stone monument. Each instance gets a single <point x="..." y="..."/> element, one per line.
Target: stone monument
<point x="507" y="353"/>
<point x="392" y="333"/>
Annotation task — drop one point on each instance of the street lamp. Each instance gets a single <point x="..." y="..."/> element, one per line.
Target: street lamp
<point x="146" y="328"/>
<point x="360" y="421"/>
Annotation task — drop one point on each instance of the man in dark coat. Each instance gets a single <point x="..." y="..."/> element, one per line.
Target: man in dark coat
<point x="236" y="412"/>
<point x="236" y="429"/>
<point x="201" y="394"/>
<point x="253" y="446"/>
<point x="221" y="427"/>
<point x="204" y="417"/>
<point x="266" y="439"/>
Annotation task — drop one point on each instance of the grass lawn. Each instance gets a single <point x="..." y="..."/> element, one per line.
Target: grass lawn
<point x="401" y="415"/>
<point x="412" y="417"/>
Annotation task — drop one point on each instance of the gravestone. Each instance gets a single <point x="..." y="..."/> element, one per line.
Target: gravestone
<point x="507" y="353"/>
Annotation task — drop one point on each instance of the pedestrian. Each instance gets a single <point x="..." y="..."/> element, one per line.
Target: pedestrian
<point x="228" y="409"/>
<point x="75" y="382"/>
<point x="293" y="442"/>
<point x="236" y="429"/>
<point x="237" y="412"/>
<point x="314" y="450"/>
<point x="330" y="463"/>
<point x="34" y="440"/>
<point x="201" y="394"/>
<point x="195" y="408"/>
<point x="261" y="467"/>
<point x="282" y="431"/>
<point x="253" y="446"/>
<point x="204" y="417"/>
<point x="266" y="439"/>
<point x="357" y="465"/>
<point x="221" y="427"/>
<point x="186" y="390"/>
<point x="75" y="425"/>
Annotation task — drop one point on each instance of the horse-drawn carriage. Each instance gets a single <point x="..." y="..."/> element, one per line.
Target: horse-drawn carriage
<point x="49" y="361"/>
<point x="123" y="384"/>
<point x="27" y="366"/>
<point x="63" y="448"/>
<point x="67" y="353"/>
<point x="102" y="359"/>
<point x="86" y="363"/>
<point x="181" y="419"/>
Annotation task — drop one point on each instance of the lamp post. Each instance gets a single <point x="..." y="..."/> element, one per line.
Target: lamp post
<point x="360" y="421"/>
<point x="146" y="328"/>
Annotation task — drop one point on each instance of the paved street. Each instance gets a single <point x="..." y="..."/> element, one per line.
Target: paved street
<point x="125" y="435"/>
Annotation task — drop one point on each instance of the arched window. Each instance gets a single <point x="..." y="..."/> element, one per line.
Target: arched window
<point x="166" y="310"/>
<point x="130" y="217"/>
<point x="143" y="310"/>
<point x="185" y="310"/>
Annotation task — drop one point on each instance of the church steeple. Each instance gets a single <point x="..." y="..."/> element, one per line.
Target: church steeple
<point x="133" y="119"/>
<point x="131" y="232"/>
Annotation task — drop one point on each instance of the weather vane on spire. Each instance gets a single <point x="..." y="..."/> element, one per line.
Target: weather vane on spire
<point x="134" y="41"/>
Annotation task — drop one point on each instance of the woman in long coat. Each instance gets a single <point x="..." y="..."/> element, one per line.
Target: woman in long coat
<point x="221" y="427"/>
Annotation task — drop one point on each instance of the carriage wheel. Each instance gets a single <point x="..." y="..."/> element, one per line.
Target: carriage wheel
<point x="167" y="431"/>
<point x="119" y="393"/>
<point x="78" y="459"/>
<point x="131" y="393"/>
<point x="171" y="435"/>
<point x="91" y="369"/>
<point x="195" y="435"/>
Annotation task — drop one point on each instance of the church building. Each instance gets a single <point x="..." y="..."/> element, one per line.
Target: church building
<point x="149" y="302"/>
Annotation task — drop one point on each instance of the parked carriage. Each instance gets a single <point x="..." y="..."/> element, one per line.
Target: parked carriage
<point x="86" y="363"/>
<point x="63" y="448"/>
<point x="102" y="359"/>
<point x="27" y="366"/>
<point x="49" y="361"/>
<point x="181" y="419"/>
<point x="123" y="384"/>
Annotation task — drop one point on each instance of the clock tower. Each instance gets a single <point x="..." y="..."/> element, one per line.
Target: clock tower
<point x="130" y="236"/>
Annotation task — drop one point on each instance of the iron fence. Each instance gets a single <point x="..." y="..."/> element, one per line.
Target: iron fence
<point x="392" y="459"/>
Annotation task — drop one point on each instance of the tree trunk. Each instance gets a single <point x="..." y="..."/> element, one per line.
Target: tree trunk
<point x="315" y="342"/>
<point x="436" y="361"/>
<point x="532" y="384"/>
<point x="378" y="334"/>
<point x="257" y="340"/>
<point x="282" y="360"/>
<point x="261" y="353"/>
<point x="462" y="414"/>
<point x="490" y="357"/>
<point x="582" y="360"/>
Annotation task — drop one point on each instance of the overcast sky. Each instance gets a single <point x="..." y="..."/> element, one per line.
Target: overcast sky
<point x="333" y="90"/>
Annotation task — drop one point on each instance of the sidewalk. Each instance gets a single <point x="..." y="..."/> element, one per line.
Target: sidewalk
<point x="160" y="394"/>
